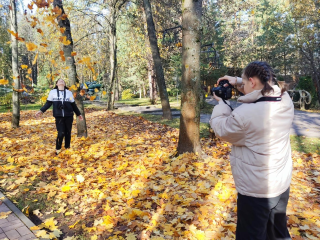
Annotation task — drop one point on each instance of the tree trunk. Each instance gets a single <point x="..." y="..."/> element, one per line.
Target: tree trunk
<point x="14" y="43"/>
<point x="116" y="90"/>
<point x="285" y="64"/>
<point x="34" y="75"/>
<point x="105" y="80"/>
<point x="64" y="23"/>
<point x="152" y="83"/>
<point x="157" y="61"/>
<point x="144" y="89"/>
<point x="189" y="137"/>
<point x="113" y="57"/>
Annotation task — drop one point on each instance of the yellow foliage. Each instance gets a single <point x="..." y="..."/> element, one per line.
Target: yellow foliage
<point x="13" y="33"/>
<point x="4" y="214"/>
<point x="43" y="49"/>
<point x="73" y="88"/>
<point x="4" y="82"/>
<point x="73" y="225"/>
<point x="43" y="234"/>
<point x="44" y="98"/>
<point x="65" y="41"/>
<point x="31" y="46"/>
<point x="123" y="176"/>
<point x="65" y="188"/>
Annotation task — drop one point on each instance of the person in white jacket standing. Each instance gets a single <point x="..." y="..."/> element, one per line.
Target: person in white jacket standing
<point x="261" y="163"/>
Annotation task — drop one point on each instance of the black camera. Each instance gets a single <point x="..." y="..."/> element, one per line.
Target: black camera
<point x="224" y="92"/>
<point x="61" y="106"/>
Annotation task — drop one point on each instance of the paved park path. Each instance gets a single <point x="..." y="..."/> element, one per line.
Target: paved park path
<point x="304" y="123"/>
<point x="16" y="226"/>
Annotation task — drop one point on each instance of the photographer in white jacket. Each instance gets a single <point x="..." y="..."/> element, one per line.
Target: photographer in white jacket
<point x="260" y="159"/>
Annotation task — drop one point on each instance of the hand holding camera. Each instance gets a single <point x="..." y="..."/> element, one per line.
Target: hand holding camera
<point x="231" y="80"/>
<point x="224" y="90"/>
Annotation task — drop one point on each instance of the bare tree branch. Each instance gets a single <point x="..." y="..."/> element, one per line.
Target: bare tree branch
<point x="87" y="35"/>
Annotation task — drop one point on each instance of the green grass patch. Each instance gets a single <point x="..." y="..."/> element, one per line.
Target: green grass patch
<point x="23" y="107"/>
<point x="174" y="103"/>
<point x="175" y="123"/>
<point x="146" y="101"/>
<point x="305" y="144"/>
<point x="136" y="101"/>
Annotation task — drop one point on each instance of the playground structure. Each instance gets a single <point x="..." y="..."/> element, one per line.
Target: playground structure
<point x="300" y="98"/>
<point x="90" y="88"/>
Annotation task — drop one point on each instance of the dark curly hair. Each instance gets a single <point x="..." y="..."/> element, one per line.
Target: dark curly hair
<point x="264" y="72"/>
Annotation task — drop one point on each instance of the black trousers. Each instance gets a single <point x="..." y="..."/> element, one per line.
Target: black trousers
<point x="262" y="218"/>
<point x="64" y="127"/>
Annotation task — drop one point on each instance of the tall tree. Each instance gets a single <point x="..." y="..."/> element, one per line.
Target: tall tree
<point x="114" y="12"/>
<point x="307" y="35"/>
<point x="5" y="56"/>
<point x="65" y="27"/>
<point x="14" y="43"/>
<point x="157" y="61"/>
<point x="189" y="137"/>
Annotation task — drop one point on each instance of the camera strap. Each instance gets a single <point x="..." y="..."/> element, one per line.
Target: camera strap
<point x="269" y="99"/>
<point x="227" y="104"/>
<point x="64" y="95"/>
<point x="262" y="99"/>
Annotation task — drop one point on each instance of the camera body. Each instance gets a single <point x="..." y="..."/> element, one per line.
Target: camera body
<point x="61" y="106"/>
<point x="222" y="91"/>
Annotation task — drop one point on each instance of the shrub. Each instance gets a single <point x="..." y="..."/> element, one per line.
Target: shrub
<point x="127" y="94"/>
<point x="173" y="92"/>
<point x="6" y="100"/>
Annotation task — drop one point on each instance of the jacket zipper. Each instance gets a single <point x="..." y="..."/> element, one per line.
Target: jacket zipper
<point x="62" y="105"/>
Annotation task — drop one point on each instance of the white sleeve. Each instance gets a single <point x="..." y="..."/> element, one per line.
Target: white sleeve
<point x="50" y="97"/>
<point x="227" y="125"/>
<point x="239" y="81"/>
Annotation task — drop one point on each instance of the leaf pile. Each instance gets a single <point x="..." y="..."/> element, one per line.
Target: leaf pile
<point x="123" y="183"/>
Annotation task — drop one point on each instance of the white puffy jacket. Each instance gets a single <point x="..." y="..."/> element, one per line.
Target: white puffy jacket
<point x="260" y="133"/>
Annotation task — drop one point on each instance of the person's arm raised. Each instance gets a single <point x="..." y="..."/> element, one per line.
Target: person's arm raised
<point x="232" y="80"/>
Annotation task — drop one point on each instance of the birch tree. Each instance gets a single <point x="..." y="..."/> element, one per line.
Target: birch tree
<point x="14" y="46"/>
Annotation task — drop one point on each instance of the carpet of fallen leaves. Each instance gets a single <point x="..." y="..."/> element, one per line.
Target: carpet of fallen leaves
<point x="122" y="182"/>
